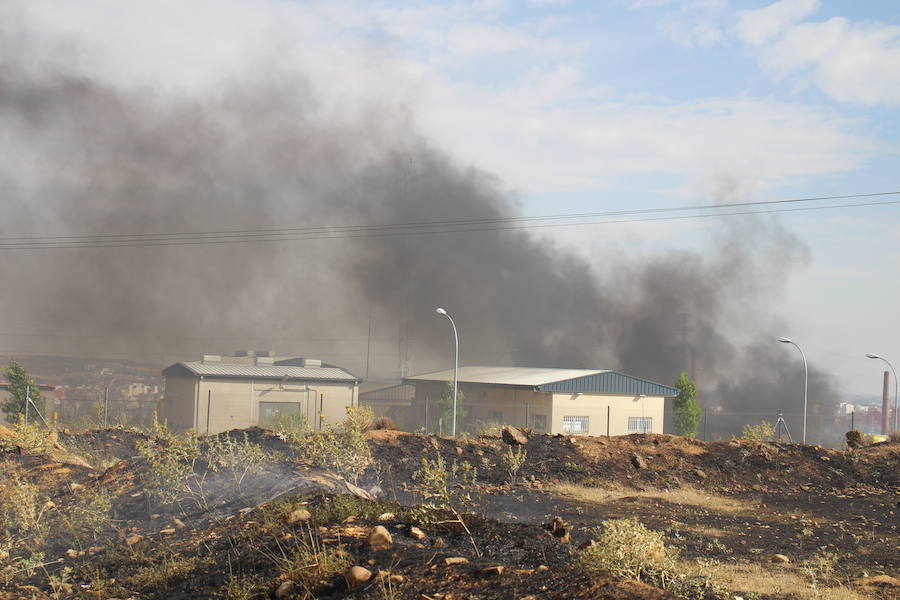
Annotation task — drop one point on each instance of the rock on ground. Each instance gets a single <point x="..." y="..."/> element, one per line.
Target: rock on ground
<point x="514" y="436"/>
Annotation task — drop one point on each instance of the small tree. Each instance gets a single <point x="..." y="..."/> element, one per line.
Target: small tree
<point x="445" y="406"/>
<point x="21" y="385"/>
<point x="686" y="409"/>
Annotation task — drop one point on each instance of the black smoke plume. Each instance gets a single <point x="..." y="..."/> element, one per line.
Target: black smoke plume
<point x="83" y="157"/>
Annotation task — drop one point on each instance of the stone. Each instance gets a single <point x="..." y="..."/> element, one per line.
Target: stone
<point x="638" y="462"/>
<point x="458" y="450"/>
<point x="380" y="537"/>
<point x="167" y="531"/>
<point x="177" y="523"/>
<point x="438" y="542"/>
<point x="700" y="473"/>
<point x="284" y="589"/>
<point x="95" y="550"/>
<point x="559" y="529"/>
<point x="416" y="533"/>
<point x="72" y="553"/>
<point x="456" y="560"/>
<point x="133" y="539"/>
<point x="587" y="544"/>
<point x="514" y="436"/>
<point x="297" y="515"/>
<point x="357" y="575"/>
<point x="492" y="571"/>
<point x="780" y="559"/>
<point x="388" y="516"/>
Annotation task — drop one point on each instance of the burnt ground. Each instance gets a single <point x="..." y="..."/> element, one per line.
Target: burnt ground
<point x="727" y="505"/>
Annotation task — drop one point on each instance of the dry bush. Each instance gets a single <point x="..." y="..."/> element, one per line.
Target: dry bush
<point x="384" y="423"/>
<point x="309" y="563"/>
<point x="626" y="548"/>
<point x="761" y="432"/>
<point x="31" y="438"/>
<point x="447" y="489"/>
<point x="489" y="430"/>
<point x="171" y="459"/>
<point x="512" y="460"/>
<point x="238" y="458"/>
<point x="342" y="448"/>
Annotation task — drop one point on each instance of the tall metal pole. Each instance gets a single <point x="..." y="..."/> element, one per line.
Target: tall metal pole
<point x="369" y="344"/>
<point x="105" y="407"/>
<point x="785" y="340"/>
<point x="895" y="383"/>
<point x="441" y="311"/>
<point x="27" y="402"/>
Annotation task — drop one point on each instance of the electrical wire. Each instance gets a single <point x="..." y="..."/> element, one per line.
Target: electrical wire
<point x="419" y="228"/>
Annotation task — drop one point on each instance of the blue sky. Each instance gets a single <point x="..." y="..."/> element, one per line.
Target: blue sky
<point x="584" y="106"/>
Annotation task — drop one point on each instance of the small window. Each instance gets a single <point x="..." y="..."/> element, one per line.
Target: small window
<point x="575" y="424"/>
<point x="640" y="424"/>
<point x="539" y="422"/>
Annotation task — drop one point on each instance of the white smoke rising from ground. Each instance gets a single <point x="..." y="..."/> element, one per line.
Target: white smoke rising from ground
<point x="270" y="145"/>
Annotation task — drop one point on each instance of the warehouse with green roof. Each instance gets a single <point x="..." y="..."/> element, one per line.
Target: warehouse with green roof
<point x="567" y="401"/>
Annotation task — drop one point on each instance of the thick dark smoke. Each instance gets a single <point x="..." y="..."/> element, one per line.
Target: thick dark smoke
<point x="83" y="157"/>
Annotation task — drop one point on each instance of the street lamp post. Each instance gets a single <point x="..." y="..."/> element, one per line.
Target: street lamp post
<point x="895" y="383"/>
<point x="785" y="340"/>
<point x="441" y="311"/>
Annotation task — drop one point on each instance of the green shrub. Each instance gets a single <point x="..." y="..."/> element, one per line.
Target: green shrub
<point x="238" y="458"/>
<point x="170" y="459"/>
<point x="627" y="548"/>
<point x="342" y="448"/>
<point x="512" y="460"/>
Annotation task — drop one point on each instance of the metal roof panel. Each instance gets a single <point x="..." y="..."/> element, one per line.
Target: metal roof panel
<point x="522" y="376"/>
<point x="266" y="371"/>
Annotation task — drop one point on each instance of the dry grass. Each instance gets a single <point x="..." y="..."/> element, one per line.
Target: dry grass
<point x="685" y="495"/>
<point x="769" y="580"/>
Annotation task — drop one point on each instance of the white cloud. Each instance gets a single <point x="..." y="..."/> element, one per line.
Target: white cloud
<point x="545" y="127"/>
<point x="854" y="62"/>
<point x="760" y="26"/>
<point x="851" y="62"/>
<point x="688" y="23"/>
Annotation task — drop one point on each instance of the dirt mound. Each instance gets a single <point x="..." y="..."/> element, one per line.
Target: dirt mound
<point x="643" y="460"/>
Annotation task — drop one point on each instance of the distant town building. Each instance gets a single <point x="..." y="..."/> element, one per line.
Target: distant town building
<point x="568" y="401"/>
<point x="222" y="393"/>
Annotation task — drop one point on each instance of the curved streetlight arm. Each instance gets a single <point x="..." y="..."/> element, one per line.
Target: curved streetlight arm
<point x="443" y="312"/>
<point x="785" y="340"/>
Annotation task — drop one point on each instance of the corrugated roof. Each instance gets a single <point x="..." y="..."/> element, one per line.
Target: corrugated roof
<point x="263" y="371"/>
<point x="584" y="381"/>
<point x="610" y="382"/>
<point x="521" y="376"/>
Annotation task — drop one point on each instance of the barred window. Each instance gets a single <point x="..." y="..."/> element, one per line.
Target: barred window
<point x="576" y="424"/>
<point x="640" y="424"/>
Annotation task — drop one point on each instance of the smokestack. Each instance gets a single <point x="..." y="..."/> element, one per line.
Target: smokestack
<point x="885" y="404"/>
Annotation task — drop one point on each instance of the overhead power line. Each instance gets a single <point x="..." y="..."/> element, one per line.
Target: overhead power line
<point x="186" y="238"/>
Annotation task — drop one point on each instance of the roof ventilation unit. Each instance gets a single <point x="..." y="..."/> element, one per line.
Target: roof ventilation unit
<point x="311" y="363"/>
